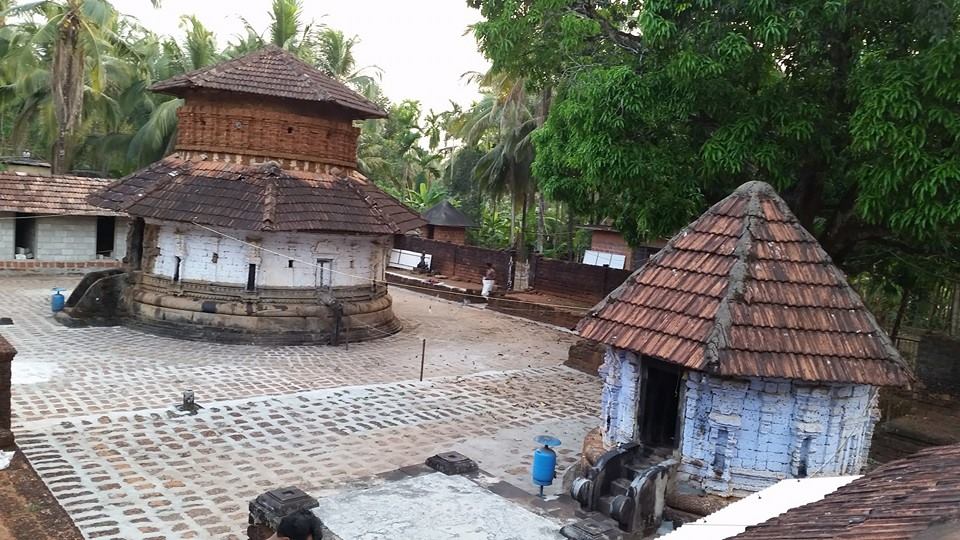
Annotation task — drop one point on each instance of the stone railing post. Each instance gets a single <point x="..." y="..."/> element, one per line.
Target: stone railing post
<point x="7" y="352"/>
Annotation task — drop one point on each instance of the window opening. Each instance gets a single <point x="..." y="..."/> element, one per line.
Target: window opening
<point x="804" y="458"/>
<point x="25" y="236"/>
<point x="720" y="451"/>
<point x="176" y="268"/>
<point x="252" y="277"/>
<point x="659" y="405"/>
<point x="324" y="273"/>
<point x="290" y="263"/>
<point x="106" y="229"/>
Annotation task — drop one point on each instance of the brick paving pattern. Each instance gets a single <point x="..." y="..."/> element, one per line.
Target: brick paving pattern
<point x="93" y="410"/>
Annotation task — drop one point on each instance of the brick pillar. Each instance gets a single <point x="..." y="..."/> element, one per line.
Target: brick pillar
<point x="7" y="352"/>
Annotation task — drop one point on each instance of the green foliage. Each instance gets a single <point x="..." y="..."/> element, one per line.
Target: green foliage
<point x="850" y="109"/>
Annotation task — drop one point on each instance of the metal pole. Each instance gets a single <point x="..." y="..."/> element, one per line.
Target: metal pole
<point x="423" y="357"/>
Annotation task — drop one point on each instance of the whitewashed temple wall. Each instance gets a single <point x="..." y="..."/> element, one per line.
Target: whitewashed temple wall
<point x="742" y="435"/>
<point x="120" y="238"/>
<point x="282" y="259"/>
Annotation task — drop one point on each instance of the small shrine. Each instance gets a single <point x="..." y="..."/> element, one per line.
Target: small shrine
<point x="735" y="357"/>
<point x="259" y="228"/>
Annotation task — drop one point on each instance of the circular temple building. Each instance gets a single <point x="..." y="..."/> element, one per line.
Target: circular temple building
<point x="259" y="228"/>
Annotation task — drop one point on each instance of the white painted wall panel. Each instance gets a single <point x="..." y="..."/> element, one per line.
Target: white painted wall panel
<point x="67" y="238"/>
<point x="7" y="232"/>
<point x="355" y="260"/>
<point x="120" y="238"/>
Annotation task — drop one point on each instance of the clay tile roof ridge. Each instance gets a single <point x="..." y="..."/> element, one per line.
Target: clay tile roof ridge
<point x="717" y="338"/>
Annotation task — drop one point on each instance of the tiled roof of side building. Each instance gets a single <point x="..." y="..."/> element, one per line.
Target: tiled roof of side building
<point x="915" y="497"/>
<point x="445" y="214"/>
<point x="274" y="72"/>
<point x="259" y="197"/>
<point x="745" y="291"/>
<point x="50" y="195"/>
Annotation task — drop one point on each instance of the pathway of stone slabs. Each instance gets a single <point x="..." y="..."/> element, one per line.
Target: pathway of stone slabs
<point x="93" y="411"/>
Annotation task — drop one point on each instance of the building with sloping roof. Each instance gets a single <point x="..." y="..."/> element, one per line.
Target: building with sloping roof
<point x="740" y="352"/>
<point x="915" y="497"/>
<point x="46" y="222"/>
<point x="446" y="223"/>
<point x="259" y="227"/>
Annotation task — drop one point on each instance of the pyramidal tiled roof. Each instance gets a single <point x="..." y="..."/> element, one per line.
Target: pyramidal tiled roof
<point x="257" y="197"/>
<point x="745" y="291"/>
<point x="272" y="71"/>
<point x="445" y="214"/>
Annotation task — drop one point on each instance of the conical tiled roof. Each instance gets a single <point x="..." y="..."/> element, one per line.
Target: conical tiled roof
<point x="257" y="197"/>
<point x="274" y="72"/>
<point x="745" y="291"/>
<point x="445" y="214"/>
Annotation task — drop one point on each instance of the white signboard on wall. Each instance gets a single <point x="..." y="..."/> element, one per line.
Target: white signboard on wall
<point x="602" y="258"/>
<point x="407" y="260"/>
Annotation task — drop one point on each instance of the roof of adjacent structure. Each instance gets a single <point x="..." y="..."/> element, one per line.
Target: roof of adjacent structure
<point x="745" y="291"/>
<point x="445" y="214"/>
<point x="900" y="499"/>
<point x="259" y="197"/>
<point x="274" y="72"/>
<point x="57" y="195"/>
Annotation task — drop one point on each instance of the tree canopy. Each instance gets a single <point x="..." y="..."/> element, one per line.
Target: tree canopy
<point x="851" y="109"/>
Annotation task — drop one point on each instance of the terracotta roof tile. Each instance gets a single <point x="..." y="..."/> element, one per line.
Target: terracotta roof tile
<point x="66" y="195"/>
<point x="259" y="197"/>
<point x="898" y="500"/>
<point x="746" y="291"/>
<point x="273" y="72"/>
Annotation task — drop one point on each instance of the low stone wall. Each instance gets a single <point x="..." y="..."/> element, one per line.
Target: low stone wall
<point x="586" y="356"/>
<point x="938" y="364"/>
<point x="574" y="280"/>
<point x="535" y="312"/>
<point x="7" y="352"/>
<point x="58" y="267"/>
<point x="467" y="263"/>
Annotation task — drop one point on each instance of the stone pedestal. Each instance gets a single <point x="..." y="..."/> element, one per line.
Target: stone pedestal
<point x="7" y="352"/>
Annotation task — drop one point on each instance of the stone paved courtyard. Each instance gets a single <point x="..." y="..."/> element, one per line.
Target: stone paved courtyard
<point x="93" y="410"/>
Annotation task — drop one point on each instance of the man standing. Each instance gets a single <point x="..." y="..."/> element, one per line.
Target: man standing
<point x="489" y="280"/>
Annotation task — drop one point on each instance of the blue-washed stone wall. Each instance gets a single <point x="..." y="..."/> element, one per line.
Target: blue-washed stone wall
<point x="739" y="436"/>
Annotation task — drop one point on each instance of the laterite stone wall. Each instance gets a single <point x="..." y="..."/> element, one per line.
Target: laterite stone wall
<point x="7" y="352"/>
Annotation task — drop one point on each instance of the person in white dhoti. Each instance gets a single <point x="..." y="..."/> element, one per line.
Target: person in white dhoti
<point x="489" y="280"/>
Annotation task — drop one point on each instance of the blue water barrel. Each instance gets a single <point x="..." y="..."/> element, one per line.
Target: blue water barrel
<point x="544" y="466"/>
<point x="57" y="300"/>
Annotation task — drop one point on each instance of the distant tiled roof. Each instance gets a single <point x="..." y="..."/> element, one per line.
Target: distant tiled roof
<point x="445" y="214"/>
<point x="900" y="499"/>
<point x="66" y="195"/>
<point x="272" y="71"/>
<point x="746" y="291"/>
<point x="261" y="197"/>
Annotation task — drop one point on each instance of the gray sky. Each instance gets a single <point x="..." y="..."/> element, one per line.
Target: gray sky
<point x="419" y="44"/>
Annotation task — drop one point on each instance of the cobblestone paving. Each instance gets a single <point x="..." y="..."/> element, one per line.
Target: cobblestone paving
<point x="92" y="408"/>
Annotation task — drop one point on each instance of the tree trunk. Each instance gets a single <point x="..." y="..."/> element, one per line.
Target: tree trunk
<point x="955" y="311"/>
<point x="522" y="237"/>
<point x="513" y="222"/>
<point x="571" y="255"/>
<point x="541" y="225"/>
<point x="67" y="85"/>
<point x="898" y="320"/>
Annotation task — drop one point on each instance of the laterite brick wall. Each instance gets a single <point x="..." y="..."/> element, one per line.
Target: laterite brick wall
<point x="575" y="280"/>
<point x="7" y="352"/>
<point x="938" y="364"/>
<point x="467" y="263"/>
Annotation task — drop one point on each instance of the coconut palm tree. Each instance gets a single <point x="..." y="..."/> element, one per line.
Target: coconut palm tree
<point x="83" y="35"/>
<point x="502" y="121"/>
